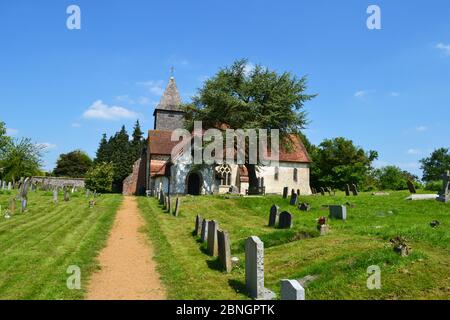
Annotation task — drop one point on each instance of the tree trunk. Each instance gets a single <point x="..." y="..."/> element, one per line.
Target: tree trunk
<point x="252" y="179"/>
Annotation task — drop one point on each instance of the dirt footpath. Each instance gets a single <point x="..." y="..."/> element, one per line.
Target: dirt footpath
<point x="127" y="269"/>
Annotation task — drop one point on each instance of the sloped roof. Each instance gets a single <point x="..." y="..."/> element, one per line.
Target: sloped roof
<point x="170" y="100"/>
<point x="160" y="144"/>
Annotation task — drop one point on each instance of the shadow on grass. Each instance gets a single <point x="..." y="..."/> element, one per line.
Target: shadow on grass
<point x="239" y="287"/>
<point x="215" y="264"/>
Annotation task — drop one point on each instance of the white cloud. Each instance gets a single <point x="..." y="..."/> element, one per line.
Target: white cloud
<point x="414" y="151"/>
<point x="444" y="47"/>
<point x="362" y="94"/>
<point x="11" y="131"/>
<point x="47" y="145"/>
<point x="421" y="128"/>
<point x="99" y="110"/>
<point x="155" y="87"/>
<point x="126" y="99"/>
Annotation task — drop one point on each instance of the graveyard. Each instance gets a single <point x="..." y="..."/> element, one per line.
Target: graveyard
<point x="39" y="244"/>
<point x="329" y="266"/>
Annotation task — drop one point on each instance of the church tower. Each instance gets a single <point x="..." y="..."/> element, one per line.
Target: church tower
<point x="168" y="115"/>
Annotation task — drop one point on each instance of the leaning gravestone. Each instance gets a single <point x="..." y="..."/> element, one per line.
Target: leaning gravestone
<point x="198" y="224"/>
<point x="204" y="233"/>
<point x="293" y="200"/>
<point x="444" y="195"/>
<point x="285" y="192"/>
<point x="338" y="212"/>
<point x="212" y="237"/>
<point x="411" y="187"/>
<point x="273" y="217"/>
<point x="285" y="220"/>
<point x="224" y="250"/>
<point x="354" y="189"/>
<point x="347" y="190"/>
<point x="304" y="207"/>
<point x="177" y="208"/>
<point x="254" y="270"/>
<point x="292" y="290"/>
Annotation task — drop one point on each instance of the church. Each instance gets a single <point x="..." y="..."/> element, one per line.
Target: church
<point x="156" y="171"/>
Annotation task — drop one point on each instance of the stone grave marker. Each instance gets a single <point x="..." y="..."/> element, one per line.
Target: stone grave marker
<point x="198" y="225"/>
<point x="177" y="207"/>
<point x="293" y="200"/>
<point x="298" y="192"/>
<point x="411" y="187"/>
<point x="66" y="194"/>
<point x="304" y="207"/>
<point x="285" y="192"/>
<point x="273" y="217"/>
<point x="55" y="195"/>
<point x="338" y="212"/>
<point x="444" y="195"/>
<point x="292" y="290"/>
<point x="204" y="233"/>
<point x="347" y="190"/>
<point x="212" y="238"/>
<point x="224" y="250"/>
<point x="9" y="185"/>
<point x="161" y="197"/>
<point x="254" y="270"/>
<point x="285" y="220"/>
<point x="354" y="189"/>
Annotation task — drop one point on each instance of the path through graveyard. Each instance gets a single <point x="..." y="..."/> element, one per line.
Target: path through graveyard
<point x="127" y="269"/>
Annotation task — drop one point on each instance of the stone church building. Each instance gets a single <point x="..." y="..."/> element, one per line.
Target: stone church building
<point x="155" y="170"/>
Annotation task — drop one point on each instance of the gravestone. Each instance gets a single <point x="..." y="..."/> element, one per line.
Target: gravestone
<point x="161" y="197"/>
<point x="324" y="229"/>
<point x="204" y="232"/>
<point x="12" y="206"/>
<point x="4" y="185"/>
<point x="91" y="204"/>
<point x="212" y="238"/>
<point x="254" y="270"/>
<point x="291" y="290"/>
<point x="338" y="212"/>
<point x="285" y="192"/>
<point x="88" y="193"/>
<point x="169" y="205"/>
<point x="347" y="190"/>
<point x="66" y="194"/>
<point x="285" y="220"/>
<point x="313" y="190"/>
<point x="354" y="189"/>
<point x="444" y="195"/>
<point x="165" y="202"/>
<point x="293" y="200"/>
<point x="24" y="203"/>
<point x="224" y="250"/>
<point x="177" y="208"/>
<point x="304" y="207"/>
<point x="322" y="191"/>
<point x="55" y="195"/>
<point x="9" y="185"/>
<point x="273" y="217"/>
<point x="411" y="187"/>
<point x="298" y="192"/>
<point x="198" y="224"/>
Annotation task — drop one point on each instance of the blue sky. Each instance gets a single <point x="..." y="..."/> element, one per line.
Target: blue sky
<point x="387" y="90"/>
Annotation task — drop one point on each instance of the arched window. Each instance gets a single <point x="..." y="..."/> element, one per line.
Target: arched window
<point x="224" y="173"/>
<point x="277" y="173"/>
<point x="295" y="174"/>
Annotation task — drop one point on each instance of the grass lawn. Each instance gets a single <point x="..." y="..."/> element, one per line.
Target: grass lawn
<point x="37" y="247"/>
<point x="340" y="259"/>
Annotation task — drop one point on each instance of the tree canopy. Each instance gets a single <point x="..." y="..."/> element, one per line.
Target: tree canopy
<point x="74" y="164"/>
<point x="435" y="165"/>
<point x="250" y="99"/>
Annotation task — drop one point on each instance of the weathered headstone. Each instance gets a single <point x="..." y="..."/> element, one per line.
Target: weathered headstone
<point x="9" y="185"/>
<point x="411" y="187"/>
<point x="224" y="250"/>
<point x="338" y="212"/>
<point x="273" y="217"/>
<point x="347" y="190"/>
<point x="298" y="192"/>
<point x="198" y="224"/>
<point x="254" y="270"/>
<point x="285" y="192"/>
<point x="161" y="197"/>
<point x="165" y="202"/>
<point x="293" y="200"/>
<point x="324" y="229"/>
<point x="292" y="290"/>
<point x="285" y="220"/>
<point x="354" y="189"/>
<point x="304" y="207"/>
<point x="55" y="195"/>
<point x="204" y="233"/>
<point x="169" y="204"/>
<point x="444" y="195"/>
<point x="24" y="203"/>
<point x="176" y="212"/>
<point x="66" y="194"/>
<point x="212" y="237"/>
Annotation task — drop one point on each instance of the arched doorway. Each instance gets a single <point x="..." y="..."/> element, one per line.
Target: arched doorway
<point x="194" y="183"/>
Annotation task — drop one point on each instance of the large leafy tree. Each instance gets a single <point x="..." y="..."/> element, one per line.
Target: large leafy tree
<point x="393" y="178"/>
<point x="255" y="99"/>
<point x="74" y="164"/>
<point x="436" y="164"/>
<point x="21" y="158"/>
<point x="4" y="139"/>
<point x="338" y="162"/>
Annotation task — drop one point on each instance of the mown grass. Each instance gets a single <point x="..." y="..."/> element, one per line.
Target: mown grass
<point x="339" y="259"/>
<point x="38" y="246"/>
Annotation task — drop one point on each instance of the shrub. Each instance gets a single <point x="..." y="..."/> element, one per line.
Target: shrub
<point x="100" y="177"/>
<point x="434" y="186"/>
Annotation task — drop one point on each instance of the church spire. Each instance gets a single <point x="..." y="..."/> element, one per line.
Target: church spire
<point x="170" y="100"/>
